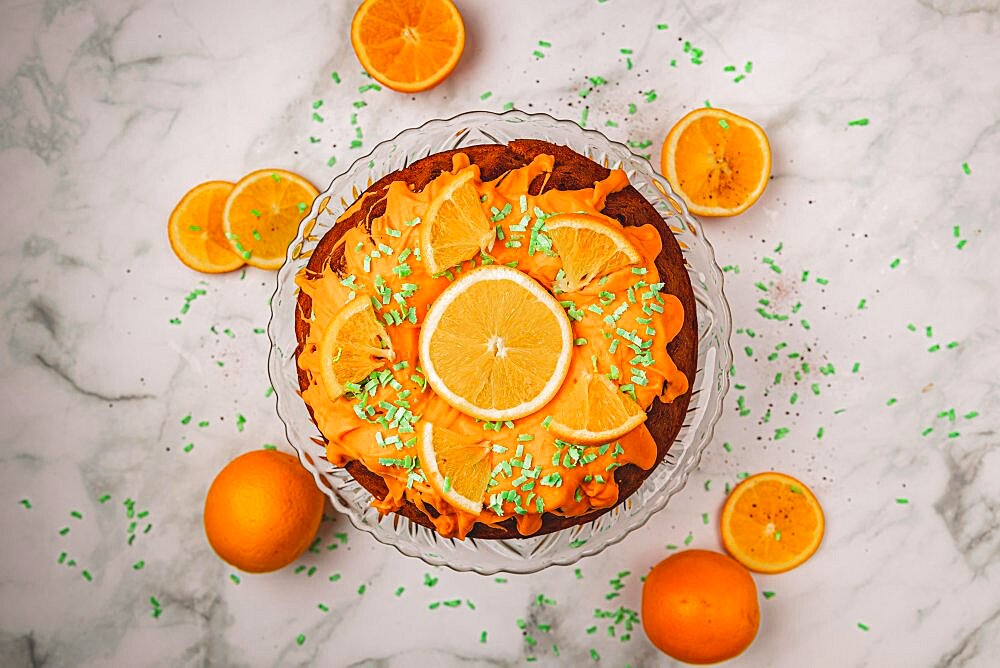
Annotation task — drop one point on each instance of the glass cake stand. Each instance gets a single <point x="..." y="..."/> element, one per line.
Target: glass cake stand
<point x="531" y="554"/>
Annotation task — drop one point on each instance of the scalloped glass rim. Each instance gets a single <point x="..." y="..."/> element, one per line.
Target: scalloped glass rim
<point x="531" y="554"/>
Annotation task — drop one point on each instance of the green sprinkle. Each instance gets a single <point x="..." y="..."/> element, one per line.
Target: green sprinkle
<point x="966" y="168"/>
<point x="25" y="502"/>
<point x="961" y="244"/>
<point x="724" y="123"/>
<point x="662" y="26"/>
<point x="704" y="516"/>
<point x="902" y="501"/>
<point x="862" y="626"/>
<point x="689" y="539"/>
<point x="891" y="401"/>
<point x="87" y="576"/>
<point x="485" y="96"/>
<point x="859" y="121"/>
<point x="300" y="639"/>
<point x="780" y="433"/>
<point x="335" y="77"/>
<point x="361" y="589"/>
<point x="894" y="263"/>
<point x="727" y="447"/>
<point x="482" y="637"/>
<point x="594" y="655"/>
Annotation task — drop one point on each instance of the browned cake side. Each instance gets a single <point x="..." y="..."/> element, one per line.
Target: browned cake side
<point x="572" y="171"/>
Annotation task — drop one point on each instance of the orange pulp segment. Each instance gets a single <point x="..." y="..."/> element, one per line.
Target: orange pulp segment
<point x="771" y="523"/>
<point x="717" y="161"/>
<point x="408" y="45"/>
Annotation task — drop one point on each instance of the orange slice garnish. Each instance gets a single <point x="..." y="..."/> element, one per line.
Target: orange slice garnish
<point x="354" y="345"/>
<point x="456" y="467"/>
<point x="594" y="410"/>
<point x="717" y="161"/>
<point x="771" y="523"/>
<point x="408" y="45"/>
<point x="456" y="227"/>
<point x="495" y="345"/>
<point x="589" y="248"/>
<point x="195" y="229"/>
<point x="262" y="215"/>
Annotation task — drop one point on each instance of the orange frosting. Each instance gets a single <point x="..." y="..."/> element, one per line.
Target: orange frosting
<point x="534" y="472"/>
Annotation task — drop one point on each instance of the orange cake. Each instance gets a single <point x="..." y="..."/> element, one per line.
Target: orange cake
<point x="518" y="315"/>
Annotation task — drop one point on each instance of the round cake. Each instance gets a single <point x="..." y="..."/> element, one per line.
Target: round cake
<point x="638" y="321"/>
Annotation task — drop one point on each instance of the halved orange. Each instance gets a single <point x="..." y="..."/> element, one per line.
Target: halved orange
<point x="456" y="227"/>
<point x="456" y="467"/>
<point x="594" y="410"/>
<point x="589" y="248"/>
<point x="262" y="215"/>
<point x="195" y="229"/>
<point x="717" y="161"/>
<point x="495" y="345"/>
<point x="408" y="45"/>
<point x="354" y="345"/>
<point x="771" y="523"/>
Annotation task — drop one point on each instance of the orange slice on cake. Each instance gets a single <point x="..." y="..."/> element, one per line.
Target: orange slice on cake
<point x="354" y="345"/>
<point x="594" y="410"/>
<point x="456" y="466"/>
<point x="495" y="345"/>
<point x="589" y="247"/>
<point x="456" y="227"/>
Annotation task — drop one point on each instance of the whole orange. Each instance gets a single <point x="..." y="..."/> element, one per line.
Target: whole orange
<point x="262" y="511"/>
<point x="700" y="607"/>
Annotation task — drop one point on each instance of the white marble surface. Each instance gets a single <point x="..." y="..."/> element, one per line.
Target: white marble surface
<point x="110" y="110"/>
